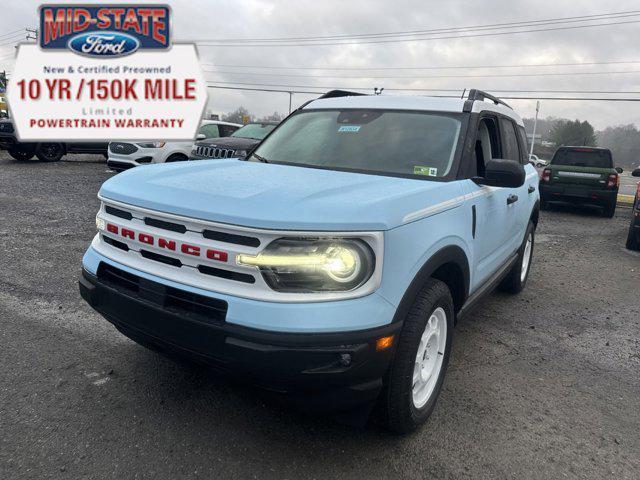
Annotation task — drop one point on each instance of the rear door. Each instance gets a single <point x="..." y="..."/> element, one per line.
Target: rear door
<point x="518" y="206"/>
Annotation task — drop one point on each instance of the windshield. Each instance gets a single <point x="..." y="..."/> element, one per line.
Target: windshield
<point x="254" y="130"/>
<point x="583" y="157"/>
<point x="405" y="143"/>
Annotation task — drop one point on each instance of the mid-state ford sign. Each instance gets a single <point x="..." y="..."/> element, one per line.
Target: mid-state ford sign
<point x="106" y="72"/>
<point x="105" y="30"/>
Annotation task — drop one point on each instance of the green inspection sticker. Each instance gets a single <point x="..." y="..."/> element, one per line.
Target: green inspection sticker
<point x="429" y="171"/>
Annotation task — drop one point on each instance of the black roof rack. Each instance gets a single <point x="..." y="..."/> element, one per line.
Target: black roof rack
<point x="340" y="93"/>
<point x="480" y="95"/>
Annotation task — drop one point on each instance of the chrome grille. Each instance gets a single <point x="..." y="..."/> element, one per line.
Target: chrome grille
<point x="214" y="152"/>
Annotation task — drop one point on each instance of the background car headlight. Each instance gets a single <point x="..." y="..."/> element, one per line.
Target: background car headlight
<point x="151" y="144"/>
<point x="240" y="153"/>
<point x="313" y="265"/>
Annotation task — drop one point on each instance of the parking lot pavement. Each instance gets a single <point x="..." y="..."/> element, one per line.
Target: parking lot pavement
<point x="628" y="183"/>
<point x="541" y="385"/>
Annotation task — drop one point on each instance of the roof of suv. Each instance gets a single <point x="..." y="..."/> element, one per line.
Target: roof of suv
<point x="391" y="102"/>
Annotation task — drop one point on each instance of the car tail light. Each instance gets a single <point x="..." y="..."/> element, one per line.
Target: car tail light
<point x="613" y="180"/>
<point x="546" y="175"/>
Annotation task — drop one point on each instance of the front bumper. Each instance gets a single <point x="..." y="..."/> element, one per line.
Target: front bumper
<point x="326" y="371"/>
<point x="123" y="161"/>
<point x="577" y="194"/>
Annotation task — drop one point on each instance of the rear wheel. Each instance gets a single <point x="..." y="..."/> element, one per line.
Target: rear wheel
<point x="417" y="373"/>
<point x="517" y="277"/>
<point x="21" y="155"/>
<point x="609" y="210"/>
<point x="49" y="152"/>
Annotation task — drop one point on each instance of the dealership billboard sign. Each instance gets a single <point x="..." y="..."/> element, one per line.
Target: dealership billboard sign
<point x="106" y="72"/>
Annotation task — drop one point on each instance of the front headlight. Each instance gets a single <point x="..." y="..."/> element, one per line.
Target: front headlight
<point x="151" y="144"/>
<point x="240" y="153"/>
<point x="313" y="265"/>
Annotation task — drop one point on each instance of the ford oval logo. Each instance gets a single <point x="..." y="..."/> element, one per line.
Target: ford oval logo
<point x="104" y="44"/>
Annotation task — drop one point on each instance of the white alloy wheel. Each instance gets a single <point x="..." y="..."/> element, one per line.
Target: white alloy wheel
<point x="429" y="358"/>
<point x="526" y="257"/>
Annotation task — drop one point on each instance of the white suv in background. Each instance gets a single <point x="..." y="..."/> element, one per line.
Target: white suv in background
<point x="124" y="155"/>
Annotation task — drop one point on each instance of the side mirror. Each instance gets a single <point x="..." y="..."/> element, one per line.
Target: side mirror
<point x="619" y="169"/>
<point x="201" y="136"/>
<point x="502" y="173"/>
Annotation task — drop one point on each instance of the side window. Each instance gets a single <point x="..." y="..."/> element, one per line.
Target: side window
<point x="524" y="145"/>
<point x="210" y="130"/>
<point x="509" y="141"/>
<point x="487" y="144"/>
<point x="227" y="130"/>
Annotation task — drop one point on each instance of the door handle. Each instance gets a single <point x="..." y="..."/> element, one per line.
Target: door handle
<point x="512" y="199"/>
<point x="531" y="189"/>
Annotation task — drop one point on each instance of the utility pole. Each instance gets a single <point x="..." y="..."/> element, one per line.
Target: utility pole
<point x="535" y="124"/>
<point x="32" y="34"/>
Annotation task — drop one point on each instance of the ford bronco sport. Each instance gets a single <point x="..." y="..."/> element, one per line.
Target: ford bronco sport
<point x="332" y="264"/>
<point x="581" y="175"/>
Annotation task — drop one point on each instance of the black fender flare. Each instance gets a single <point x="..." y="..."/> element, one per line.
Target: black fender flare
<point x="449" y="254"/>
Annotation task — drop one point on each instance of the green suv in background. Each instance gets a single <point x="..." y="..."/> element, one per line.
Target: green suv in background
<point x="581" y="175"/>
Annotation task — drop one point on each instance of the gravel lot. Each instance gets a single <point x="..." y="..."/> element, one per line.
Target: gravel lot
<point x="541" y="385"/>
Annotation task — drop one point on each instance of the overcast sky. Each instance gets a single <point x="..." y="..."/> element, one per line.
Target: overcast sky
<point x="236" y="19"/>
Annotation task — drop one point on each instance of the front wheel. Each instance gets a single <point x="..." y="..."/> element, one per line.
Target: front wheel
<point x="21" y="155"/>
<point x="517" y="277"/>
<point x="49" y="152"/>
<point x="422" y="355"/>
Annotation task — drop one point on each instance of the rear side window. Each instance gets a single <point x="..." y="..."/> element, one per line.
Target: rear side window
<point x="227" y="130"/>
<point x="509" y="141"/>
<point x="583" y="157"/>
<point x="210" y="130"/>
<point x="524" y="144"/>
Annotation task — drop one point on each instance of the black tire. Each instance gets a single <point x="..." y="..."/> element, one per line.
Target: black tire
<point x="514" y="282"/>
<point x="50" y="152"/>
<point x="21" y="155"/>
<point x="609" y="210"/>
<point x="544" y="205"/>
<point x="397" y="405"/>
<point x="633" y="240"/>
<point x="177" y="157"/>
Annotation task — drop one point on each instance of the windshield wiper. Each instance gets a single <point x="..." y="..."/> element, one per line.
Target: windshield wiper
<point x="262" y="159"/>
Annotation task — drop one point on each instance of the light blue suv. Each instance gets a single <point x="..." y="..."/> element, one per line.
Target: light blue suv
<point x="332" y="265"/>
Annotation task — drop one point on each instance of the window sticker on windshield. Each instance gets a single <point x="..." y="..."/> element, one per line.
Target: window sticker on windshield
<point x="349" y="128"/>
<point x="428" y="171"/>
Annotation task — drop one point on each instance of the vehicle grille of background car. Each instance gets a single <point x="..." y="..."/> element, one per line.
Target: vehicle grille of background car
<point x="6" y="127"/>
<point x="213" y="152"/>
<point x="122" y="148"/>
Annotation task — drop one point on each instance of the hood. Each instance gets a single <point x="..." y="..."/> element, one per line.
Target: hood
<point x="272" y="196"/>
<point x="237" y="143"/>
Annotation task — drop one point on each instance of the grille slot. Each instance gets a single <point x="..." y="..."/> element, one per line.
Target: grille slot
<point x="118" y="279"/>
<point x="6" y="127"/>
<point x="161" y="258"/>
<point x="200" y="308"/>
<point x="116" y="212"/>
<point x="228" y="274"/>
<point x="174" y="227"/>
<point x="115" y="243"/>
<point x="209" y="310"/>
<point x="231" y="238"/>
